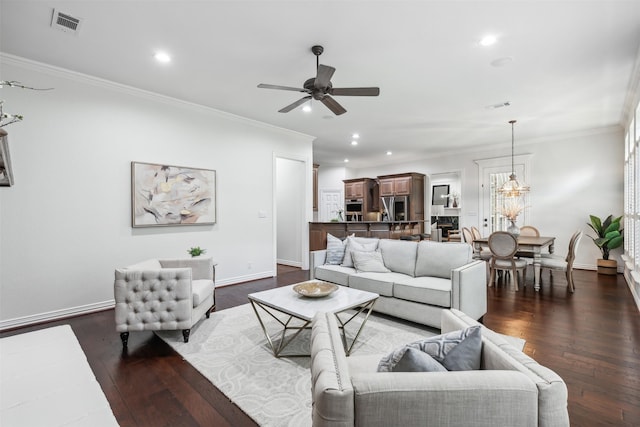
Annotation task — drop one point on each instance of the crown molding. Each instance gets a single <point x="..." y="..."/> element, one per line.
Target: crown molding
<point x="82" y="78"/>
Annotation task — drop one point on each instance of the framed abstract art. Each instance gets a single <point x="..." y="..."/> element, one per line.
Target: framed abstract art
<point x="166" y="195"/>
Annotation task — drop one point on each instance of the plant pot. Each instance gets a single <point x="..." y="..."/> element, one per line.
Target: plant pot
<point x="608" y="267"/>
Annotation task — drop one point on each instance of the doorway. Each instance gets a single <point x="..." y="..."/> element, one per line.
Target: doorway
<point x="289" y="221"/>
<point x="492" y="174"/>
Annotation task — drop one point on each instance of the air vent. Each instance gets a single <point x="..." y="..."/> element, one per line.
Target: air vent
<point x="499" y="105"/>
<point x="65" y="22"/>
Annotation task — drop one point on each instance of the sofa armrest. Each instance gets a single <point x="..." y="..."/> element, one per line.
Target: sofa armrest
<point x="201" y="267"/>
<point x="503" y="398"/>
<point x="316" y="258"/>
<point x="469" y="289"/>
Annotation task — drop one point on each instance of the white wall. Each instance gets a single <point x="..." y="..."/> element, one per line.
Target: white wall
<point x="571" y="177"/>
<point x="65" y="224"/>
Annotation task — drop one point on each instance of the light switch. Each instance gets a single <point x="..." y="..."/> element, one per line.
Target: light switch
<point x="262" y="214"/>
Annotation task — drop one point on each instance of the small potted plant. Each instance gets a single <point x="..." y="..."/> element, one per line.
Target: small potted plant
<point x="608" y="236"/>
<point x="196" y="251"/>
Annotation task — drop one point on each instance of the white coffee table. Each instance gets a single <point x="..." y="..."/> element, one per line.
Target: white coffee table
<point x="285" y="300"/>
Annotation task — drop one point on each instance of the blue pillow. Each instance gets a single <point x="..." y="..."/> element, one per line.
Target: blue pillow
<point x="335" y="250"/>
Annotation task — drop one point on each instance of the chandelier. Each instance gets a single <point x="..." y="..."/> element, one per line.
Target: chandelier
<point x="513" y="187"/>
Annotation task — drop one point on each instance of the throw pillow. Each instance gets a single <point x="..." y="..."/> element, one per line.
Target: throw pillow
<point x="414" y="360"/>
<point x="437" y="347"/>
<point x="368" y="262"/>
<point x="466" y="355"/>
<point x="353" y="245"/>
<point x="335" y="250"/>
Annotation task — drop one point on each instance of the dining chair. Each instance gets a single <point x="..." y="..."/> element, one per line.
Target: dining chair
<point x="483" y="254"/>
<point x="476" y="233"/>
<point x="467" y="236"/>
<point x="556" y="262"/>
<point x="503" y="248"/>
<point x="529" y="230"/>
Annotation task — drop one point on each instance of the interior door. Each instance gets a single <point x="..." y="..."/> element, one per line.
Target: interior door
<point x="331" y="202"/>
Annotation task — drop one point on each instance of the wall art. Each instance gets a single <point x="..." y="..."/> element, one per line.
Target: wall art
<point x="6" y="174"/>
<point x="165" y="195"/>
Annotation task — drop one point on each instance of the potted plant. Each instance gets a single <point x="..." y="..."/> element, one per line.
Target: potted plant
<point x="196" y="251"/>
<point x="608" y="236"/>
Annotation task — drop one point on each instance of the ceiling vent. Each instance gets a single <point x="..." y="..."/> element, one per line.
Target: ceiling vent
<point x="65" y="22"/>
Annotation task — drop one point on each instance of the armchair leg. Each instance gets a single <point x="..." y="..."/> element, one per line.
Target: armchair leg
<point x="185" y="334"/>
<point x="124" y="337"/>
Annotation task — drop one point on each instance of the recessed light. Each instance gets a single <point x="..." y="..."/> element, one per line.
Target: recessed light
<point x="355" y="136"/>
<point x="488" y="40"/>
<point x="389" y="153"/>
<point x="354" y="142"/>
<point x="346" y="160"/>
<point x="162" y="57"/>
<point x="306" y="108"/>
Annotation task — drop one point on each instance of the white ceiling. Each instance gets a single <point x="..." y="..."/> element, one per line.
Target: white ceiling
<point x="571" y="69"/>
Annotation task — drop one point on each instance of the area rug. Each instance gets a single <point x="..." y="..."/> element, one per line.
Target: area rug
<point x="47" y="381"/>
<point x="231" y="351"/>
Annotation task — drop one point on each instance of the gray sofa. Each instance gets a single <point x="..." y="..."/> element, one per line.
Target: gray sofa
<point x="425" y="278"/>
<point x="510" y="389"/>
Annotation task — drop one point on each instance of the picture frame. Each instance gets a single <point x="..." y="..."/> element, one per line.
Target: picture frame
<point x="168" y="195"/>
<point x="440" y="195"/>
<point x="6" y="172"/>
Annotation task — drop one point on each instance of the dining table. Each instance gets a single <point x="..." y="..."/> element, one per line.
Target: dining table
<point x="531" y="246"/>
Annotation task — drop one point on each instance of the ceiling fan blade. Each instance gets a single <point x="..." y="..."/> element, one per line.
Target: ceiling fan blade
<point x="355" y="91"/>
<point x="295" y="104"/>
<point x="323" y="77"/>
<point x="295" y="89"/>
<point x="333" y="105"/>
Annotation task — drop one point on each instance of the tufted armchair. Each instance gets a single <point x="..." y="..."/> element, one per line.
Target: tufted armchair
<point x="165" y="294"/>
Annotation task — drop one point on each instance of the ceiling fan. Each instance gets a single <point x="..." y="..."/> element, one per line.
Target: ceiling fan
<point x="320" y="88"/>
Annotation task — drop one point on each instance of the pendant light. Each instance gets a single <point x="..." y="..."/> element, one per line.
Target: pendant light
<point x="513" y="187"/>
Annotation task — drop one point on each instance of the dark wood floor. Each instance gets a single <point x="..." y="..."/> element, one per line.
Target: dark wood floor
<point x="590" y="338"/>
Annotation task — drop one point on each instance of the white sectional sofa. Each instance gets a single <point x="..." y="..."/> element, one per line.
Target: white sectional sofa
<point x="425" y="277"/>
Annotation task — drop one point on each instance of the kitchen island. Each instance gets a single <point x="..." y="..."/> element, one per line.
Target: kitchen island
<point x="380" y="229"/>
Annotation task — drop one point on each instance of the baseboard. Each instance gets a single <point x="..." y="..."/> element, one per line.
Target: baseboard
<point x="246" y="278"/>
<point x="55" y="315"/>
<point x="290" y="263"/>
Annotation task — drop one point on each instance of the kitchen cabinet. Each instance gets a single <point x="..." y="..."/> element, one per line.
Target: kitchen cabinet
<point x="361" y="198"/>
<point x="405" y="184"/>
<point x="354" y="189"/>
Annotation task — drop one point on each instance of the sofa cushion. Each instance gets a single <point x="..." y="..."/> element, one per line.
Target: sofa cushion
<point x="437" y="347"/>
<point x="426" y="290"/>
<point x="201" y="289"/>
<point x="399" y="255"/>
<point x="357" y="244"/>
<point x="438" y="259"/>
<point x="335" y="250"/>
<point x="334" y="274"/>
<point x="380" y="283"/>
<point x="414" y="360"/>
<point x="466" y="355"/>
<point x="368" y="262"/>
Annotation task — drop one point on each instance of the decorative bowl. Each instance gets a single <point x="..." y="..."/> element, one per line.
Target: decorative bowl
<point x="315" y="288"/>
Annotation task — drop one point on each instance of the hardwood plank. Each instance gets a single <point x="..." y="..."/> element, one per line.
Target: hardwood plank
<point x="591" y="338"/>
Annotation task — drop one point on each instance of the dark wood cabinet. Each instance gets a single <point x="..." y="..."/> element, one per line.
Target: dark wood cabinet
<point x="387" y="187"/>
<point x="315" y="187"/>
<point x="406" y="184"/>
<point x="354" y="189"/>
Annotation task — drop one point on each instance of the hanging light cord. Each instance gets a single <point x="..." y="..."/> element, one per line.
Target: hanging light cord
<point x="513" y="171"/>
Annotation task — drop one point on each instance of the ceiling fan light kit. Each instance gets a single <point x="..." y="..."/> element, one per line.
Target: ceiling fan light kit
<point x="321" y="89"/>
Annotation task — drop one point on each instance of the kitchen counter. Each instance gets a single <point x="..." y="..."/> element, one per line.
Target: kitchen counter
<point x="380" y="229"/>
